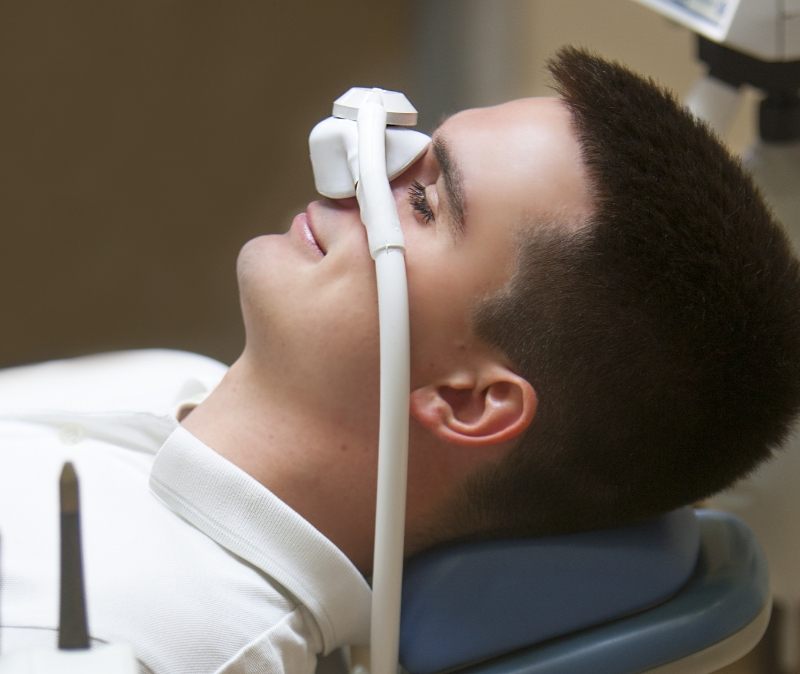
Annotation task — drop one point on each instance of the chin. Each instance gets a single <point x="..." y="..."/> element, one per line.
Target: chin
<point x="251" y="257"/>
<point x="264" y="266"/>
<point x="256" y="279"/>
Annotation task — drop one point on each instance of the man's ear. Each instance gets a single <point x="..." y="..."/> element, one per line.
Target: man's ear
<point x="474" y="409"/>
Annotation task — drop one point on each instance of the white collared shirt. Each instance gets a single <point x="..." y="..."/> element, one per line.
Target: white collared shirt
<point x="187" y="558"/>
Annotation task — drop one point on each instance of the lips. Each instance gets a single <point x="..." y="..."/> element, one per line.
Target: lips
<point x="303" y="227"/>
<point x="311" y="238"/>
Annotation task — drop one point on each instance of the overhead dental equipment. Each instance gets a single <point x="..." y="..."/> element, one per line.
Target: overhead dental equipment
<point x="355" y="152"/>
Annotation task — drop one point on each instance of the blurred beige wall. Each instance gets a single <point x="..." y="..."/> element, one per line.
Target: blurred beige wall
<point x="625" y="31"/>
<point x="142" y="142"/>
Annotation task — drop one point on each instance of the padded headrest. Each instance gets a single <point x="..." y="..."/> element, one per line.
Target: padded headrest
<point x="474" y="601"/>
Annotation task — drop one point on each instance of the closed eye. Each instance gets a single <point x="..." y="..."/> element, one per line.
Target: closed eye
<point x="419" y="201"/>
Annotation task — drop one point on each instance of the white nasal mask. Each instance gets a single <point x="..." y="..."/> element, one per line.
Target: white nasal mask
<point x="333" y="143"/>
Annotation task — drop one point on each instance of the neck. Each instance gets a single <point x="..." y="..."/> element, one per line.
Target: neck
<point x="314" y="465"/>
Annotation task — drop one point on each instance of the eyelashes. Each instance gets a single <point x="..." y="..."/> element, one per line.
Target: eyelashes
<point x="419" y="202"/>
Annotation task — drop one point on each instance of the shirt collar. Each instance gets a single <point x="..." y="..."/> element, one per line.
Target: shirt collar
<point x="239" y="513"/>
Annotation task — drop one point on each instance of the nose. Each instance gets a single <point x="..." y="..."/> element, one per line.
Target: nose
<point x="349" y="204"/>
<point x="336" y="212"/>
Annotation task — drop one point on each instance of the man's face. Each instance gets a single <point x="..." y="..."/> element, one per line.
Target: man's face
<point x="310" y="304"/>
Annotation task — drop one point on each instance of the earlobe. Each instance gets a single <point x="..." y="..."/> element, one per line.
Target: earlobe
<point x="491" y="409"/>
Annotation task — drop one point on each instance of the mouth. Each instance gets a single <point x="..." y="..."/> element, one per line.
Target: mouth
<point x="304" y="228"/>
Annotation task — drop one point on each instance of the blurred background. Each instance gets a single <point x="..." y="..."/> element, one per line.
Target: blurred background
<point x="142" y="143"/>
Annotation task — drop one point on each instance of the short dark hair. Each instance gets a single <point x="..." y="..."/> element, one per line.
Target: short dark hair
<point x="662" y="337"/>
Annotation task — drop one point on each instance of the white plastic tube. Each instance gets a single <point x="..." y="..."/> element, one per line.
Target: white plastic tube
<point x="379" y="214"/>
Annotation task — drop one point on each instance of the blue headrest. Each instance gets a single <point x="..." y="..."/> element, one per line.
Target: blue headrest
<point x="474" y="601"/>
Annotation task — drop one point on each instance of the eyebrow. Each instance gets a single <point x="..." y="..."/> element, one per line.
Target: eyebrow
<point x="453" y="183"/>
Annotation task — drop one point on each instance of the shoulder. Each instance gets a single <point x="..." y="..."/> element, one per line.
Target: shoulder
<point x="291" y="646"/>
<point x="147" y="380"/>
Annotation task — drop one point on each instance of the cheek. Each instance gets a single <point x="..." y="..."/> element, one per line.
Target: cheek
<point x="345" y="311"/>
<point x="341" y="366"/>
<point x="439" y="314"/>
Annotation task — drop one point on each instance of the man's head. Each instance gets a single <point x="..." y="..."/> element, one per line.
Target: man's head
<point x="604" y="317"/>
<point x="309" y="298"/>
<point x="662" y="338"/>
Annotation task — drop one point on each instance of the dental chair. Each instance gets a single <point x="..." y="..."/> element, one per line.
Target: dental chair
<point x="687" y="592"/>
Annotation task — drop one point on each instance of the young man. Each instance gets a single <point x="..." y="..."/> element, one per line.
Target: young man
<point x="605" y="325"/>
